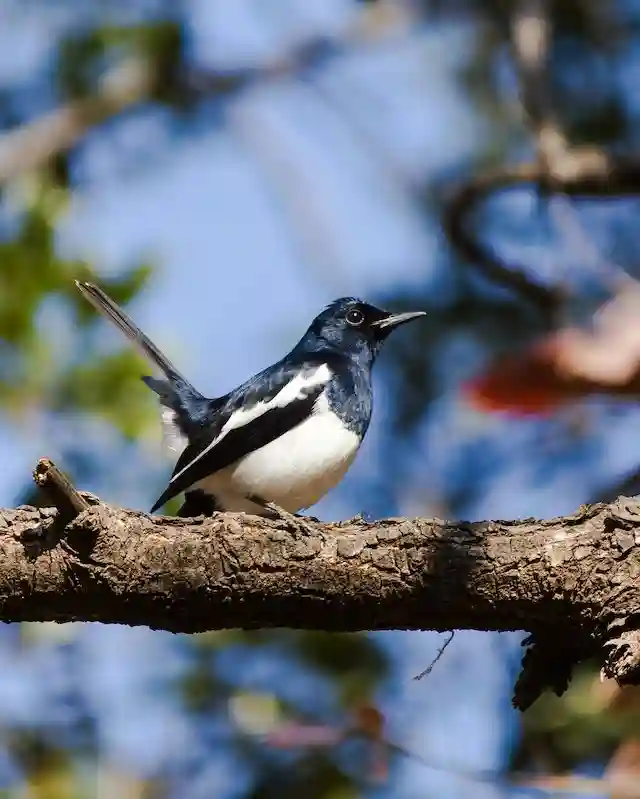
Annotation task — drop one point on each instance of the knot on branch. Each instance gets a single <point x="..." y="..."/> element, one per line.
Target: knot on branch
<point x="622" y="662"/>
<point x="52" y="524"/>
<point x="59" y="490"/>
<point x="548" y="663"/>
<point x="36" y="529"/>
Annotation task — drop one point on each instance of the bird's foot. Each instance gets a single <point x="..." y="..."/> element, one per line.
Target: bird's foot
<point x="296" y="522"/>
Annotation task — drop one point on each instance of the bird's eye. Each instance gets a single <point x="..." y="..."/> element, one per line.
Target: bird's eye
<point x="355" y="317"/>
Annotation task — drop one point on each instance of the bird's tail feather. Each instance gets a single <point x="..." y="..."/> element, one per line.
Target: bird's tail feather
<point x="114" y="313"/>
<point x="184" y="405"/>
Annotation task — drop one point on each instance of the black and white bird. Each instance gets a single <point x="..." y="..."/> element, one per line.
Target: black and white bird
<point x="285" y="437"/>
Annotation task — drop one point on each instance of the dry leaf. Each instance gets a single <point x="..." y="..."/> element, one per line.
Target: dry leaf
<point x="569" y="364"/>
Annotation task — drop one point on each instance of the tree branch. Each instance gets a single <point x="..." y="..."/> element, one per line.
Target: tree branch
<point x="531" y="34"/>
<point x="584" y="171"/>
<point x="459" y="209"/>
<point x="31" y="145"/>
<point x="569" y="581"/>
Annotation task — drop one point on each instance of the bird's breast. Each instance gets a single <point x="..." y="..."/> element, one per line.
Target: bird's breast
<point x="295" y="470"/>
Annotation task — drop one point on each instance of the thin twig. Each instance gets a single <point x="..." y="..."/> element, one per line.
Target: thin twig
<point x="429" y="668"/>
<point x="59" y="489"/>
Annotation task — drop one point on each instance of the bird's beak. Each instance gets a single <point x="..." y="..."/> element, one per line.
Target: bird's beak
<point x="396" y="319"/>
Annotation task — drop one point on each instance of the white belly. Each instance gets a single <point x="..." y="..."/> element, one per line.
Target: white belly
<point x="294" y="471"/>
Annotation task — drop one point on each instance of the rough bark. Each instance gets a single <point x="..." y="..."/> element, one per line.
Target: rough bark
<point x="572" y="582"/>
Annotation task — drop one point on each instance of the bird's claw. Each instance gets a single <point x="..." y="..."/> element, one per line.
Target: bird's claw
<point x="295" y="521"/>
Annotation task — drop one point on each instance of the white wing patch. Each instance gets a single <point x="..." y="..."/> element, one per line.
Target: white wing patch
<point x="296" y="389"/>
<point x="172" y="438"/>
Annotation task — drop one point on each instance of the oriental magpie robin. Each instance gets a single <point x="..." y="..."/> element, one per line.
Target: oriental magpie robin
<point x="284" y="438"/>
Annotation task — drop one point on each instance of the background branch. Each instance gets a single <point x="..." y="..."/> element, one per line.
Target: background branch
<point x="137" y="79"/>
<point x="30" y="146"/>
<point x="579" y="172"/>
<point x="531" y="42"/>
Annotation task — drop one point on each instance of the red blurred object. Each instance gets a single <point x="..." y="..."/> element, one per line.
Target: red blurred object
<point x="568" y="364"/>
<point x="292" y="735"/>
<point x="370" y="722"/>
<point x="366" y="721"/>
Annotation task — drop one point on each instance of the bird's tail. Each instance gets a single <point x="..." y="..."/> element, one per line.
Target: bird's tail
<point x="114" y="313"/>
<point x="181" y="401"/>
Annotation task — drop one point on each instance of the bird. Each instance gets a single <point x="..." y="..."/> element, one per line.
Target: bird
<point x="276" y="444"/>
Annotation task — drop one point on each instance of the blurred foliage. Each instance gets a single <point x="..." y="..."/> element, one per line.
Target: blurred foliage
<point x="83" y="57"/>
<point x="35" y="375"/>
<point x="587" y="724"/>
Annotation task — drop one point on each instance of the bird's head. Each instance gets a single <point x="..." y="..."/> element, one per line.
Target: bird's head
<point x="354" y="327"/>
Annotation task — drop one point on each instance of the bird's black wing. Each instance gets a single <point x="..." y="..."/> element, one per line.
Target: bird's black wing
<point x="263" y="409"/>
